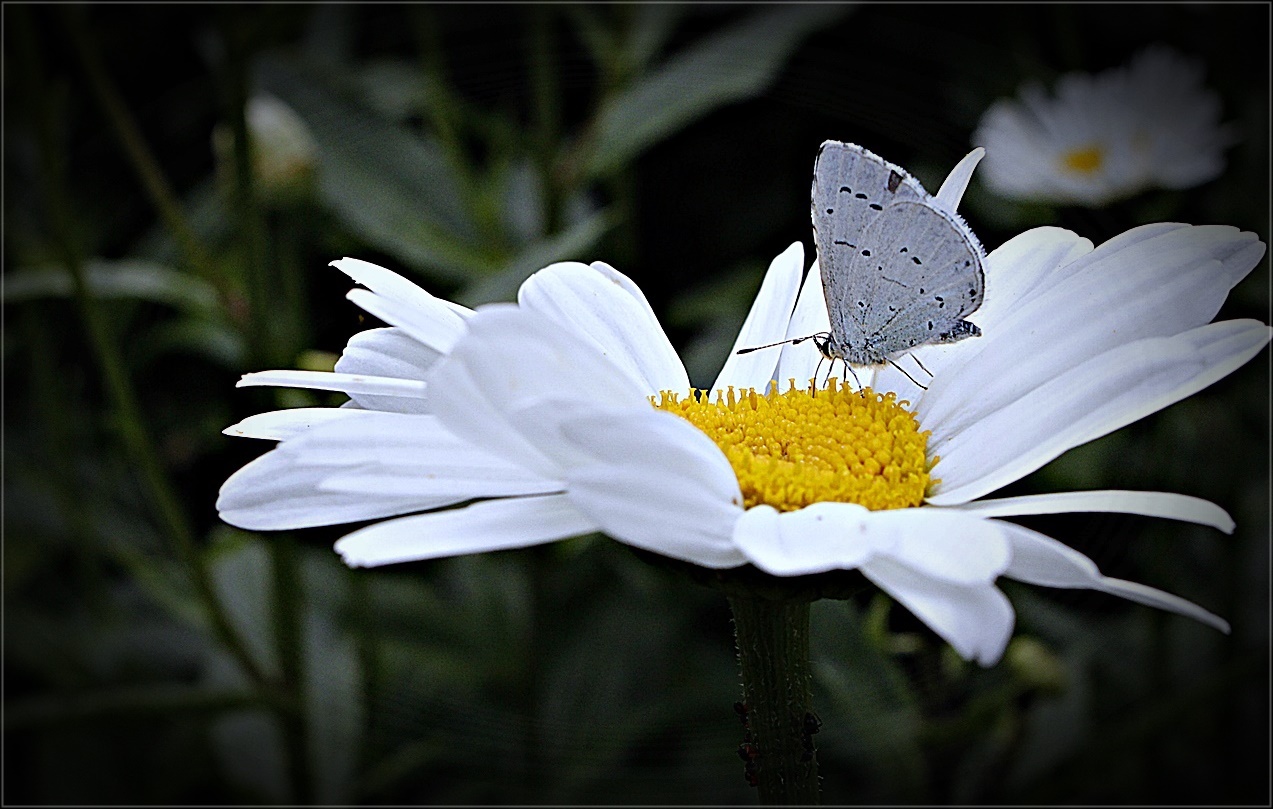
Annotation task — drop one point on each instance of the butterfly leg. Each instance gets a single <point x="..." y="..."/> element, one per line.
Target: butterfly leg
<point x="921" y="365"/>
<point x="908" y="376"/>
<point x="856" y="382"/>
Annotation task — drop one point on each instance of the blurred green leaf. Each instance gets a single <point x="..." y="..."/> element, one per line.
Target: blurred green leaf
<point x="125" y="278"/>
<point x="652" y="26"/>
<point x="729" y="66"/>
<point x="570" y="244"/>
<point x="333" y="698"/>
<point x="148" y="700"/>
<point x="214" y="340"/>
<point x="868" y="709"/>
<point x="240" y="566"/>
<point x="395" y="88"/>
<point x="248" y="745"/>
<point x="521" y="201"/>
<point x="592" y="29"/>
<point x="395" y="188"/>
<point x="330" y="34"/>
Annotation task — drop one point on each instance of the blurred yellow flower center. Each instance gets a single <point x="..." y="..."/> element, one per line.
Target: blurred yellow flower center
<point x="792" y="449"/>
<point x="1083" y="161"/>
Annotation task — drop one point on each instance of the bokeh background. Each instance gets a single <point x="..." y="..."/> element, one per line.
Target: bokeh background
<point x="159" y="243"/>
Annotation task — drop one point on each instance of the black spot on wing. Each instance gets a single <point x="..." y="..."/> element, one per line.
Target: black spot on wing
<point x="894" y="180"/>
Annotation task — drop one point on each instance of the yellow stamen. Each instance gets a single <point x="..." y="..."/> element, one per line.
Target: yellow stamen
<point x="792" y="449"/>
<point x="1087" y="160"/>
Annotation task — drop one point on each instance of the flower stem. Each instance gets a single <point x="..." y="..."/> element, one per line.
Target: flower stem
<point x="773" y="650"/>
<point x="134" y="145"/>
<point x="130" y="421"/>
<point x="250" y="225"/>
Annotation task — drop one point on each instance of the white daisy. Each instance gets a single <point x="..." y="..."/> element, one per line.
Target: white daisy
<point x="1106" y="136"/>
<point x="541" y="413"/>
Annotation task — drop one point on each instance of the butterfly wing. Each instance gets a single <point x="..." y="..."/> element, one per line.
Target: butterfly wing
<point x="925" y="275"/>
<point x="851" y="189"/>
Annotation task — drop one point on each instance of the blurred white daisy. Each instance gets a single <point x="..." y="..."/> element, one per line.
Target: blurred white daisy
<point x="570" y="413"/>
<point x="284" y="152"/>
<point x="1103" y="137"/>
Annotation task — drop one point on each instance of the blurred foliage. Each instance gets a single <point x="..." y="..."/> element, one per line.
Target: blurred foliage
<point x="152" y="254"/>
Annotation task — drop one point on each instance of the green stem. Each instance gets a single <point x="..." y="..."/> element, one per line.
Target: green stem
<point x="447" y="118"/>
<point x="52" y="401"/>
<point x="134" y="146"/>
<point x="251" y="225"/>
<point x="546" y="121"/>
<point x="367" y="638"/>
<point x="540" y="561"/>
<point x="288" y="636"/>
<point x="773" y="650"/>
<point x="130" y="423"/>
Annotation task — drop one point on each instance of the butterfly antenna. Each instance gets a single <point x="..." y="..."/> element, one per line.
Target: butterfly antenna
<point x="908" y="376"/>
<point x="793" y="341"/>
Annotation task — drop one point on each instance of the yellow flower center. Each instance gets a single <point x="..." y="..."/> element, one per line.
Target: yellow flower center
<point x="792" y="449"/>
<point x="1083" y="161"/>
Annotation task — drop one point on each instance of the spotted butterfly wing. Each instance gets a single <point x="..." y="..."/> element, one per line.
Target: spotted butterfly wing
<point x="898" y="270"/>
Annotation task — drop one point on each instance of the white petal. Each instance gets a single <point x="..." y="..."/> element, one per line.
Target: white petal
<point x="800" y="362"/>
<point x="416" y="450"/>
<point x="452" y="484"/>
<point x="815" y="539"/>
<point x="1150" y="504"/>
<point x="1111" y="391"/>
<point x="437" y="327"/>
<point x="945" y="544"/>
<point x="977" y="620"/>
<point x="606" y="309"/>
<point x="1025" y="266"/>
<point x="389" y="284"/>
<point x="513" y="359"/>
<point x="766" y="323"/>
<point x="345" y="383"/>
<point x="280" y="425"/>
<point x="387" y="352"/>
<point x="463" y="407"/>
<point x="1039" y="559"/>
<point x="937" y="543"/>
<point x="272" y="493"/>
<point x="517" y="357"/>
<point x="487" y="526"/>
<point x="1127" y="289"/>
<point x="1019" y="269"/>
<point x="657" y="483"/>
<point x="952" y="190"/>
